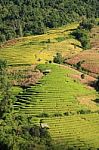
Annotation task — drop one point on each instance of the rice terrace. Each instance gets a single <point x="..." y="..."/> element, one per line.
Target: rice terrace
<point x="49" y="75"/>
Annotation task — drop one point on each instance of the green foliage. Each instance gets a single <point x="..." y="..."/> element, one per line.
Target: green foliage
<point x="60" y="39"/>
<point x="83" y="37"/>
<point x="58" y="58"/>
<point x="5" y="102"/>
<point x="87" y="24"/>
<point x="23" y="18"/>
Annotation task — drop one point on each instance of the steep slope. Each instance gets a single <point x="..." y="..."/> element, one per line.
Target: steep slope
<point x="54" y="101"/>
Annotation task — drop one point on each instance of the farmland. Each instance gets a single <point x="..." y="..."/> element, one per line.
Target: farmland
<point x="89" y="57"/>
<point x="41" y="48"/>
<point x="54" y="99"/>
<point x="51" y="93"/>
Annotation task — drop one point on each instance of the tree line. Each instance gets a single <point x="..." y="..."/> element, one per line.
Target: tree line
<point x="29" y="17"/>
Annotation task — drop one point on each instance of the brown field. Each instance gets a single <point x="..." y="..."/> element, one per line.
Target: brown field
<point x="91" y="56"/>
<point x="24" y="75"/>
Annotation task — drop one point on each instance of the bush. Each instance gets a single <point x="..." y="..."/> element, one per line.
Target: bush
<point x="83" y="37"/>
<point x="87" y="24"/>
<point x="82" y="76"/>
<point x="58" y="58"/>
<point x="66" y="114"/>
<point x="97" y="84"/>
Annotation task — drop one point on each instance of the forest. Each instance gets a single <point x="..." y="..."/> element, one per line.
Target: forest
<point x="30" y="17"/>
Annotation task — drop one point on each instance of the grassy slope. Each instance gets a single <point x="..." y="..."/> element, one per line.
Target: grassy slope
<point x="29" y="49"/>
<point x="57" y="93"/>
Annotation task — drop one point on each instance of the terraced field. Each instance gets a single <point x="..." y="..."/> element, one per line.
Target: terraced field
<point x="55" y="93"/>
<point x="54" y="99"/>
<point x="79" y="131"/>
<point x="41" y="48"/>
<point x="59" y="99"/>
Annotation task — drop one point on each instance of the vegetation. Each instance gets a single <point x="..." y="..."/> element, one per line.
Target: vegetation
<point x="22" y="18"/>
<point x="82" y="32"/>
<point x="5" y="101"/>
<point x="16" y="131"/>
<point x="89" y="58"/>
<point x="37" y="49"/>
<point x="56" y="103"/>
<point x="83" y="37"/>
<point x="46" y="105"/>
<point x="58" y="58"/>
<point x="87" y="24"/>
<point x="82" y="76"/>
<point x="97" y="84"/>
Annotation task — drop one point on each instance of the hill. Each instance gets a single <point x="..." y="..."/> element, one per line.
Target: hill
<point x="48" y="106"/>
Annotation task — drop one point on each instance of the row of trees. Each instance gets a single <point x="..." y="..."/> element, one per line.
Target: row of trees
<point x="26" y="17"/>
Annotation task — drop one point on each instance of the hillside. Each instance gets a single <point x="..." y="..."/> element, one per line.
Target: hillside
<point x="43" y="105"/>
<point x="90" y="57"/>
<point x="41" y="48"/>
<point x="56" y="100"/>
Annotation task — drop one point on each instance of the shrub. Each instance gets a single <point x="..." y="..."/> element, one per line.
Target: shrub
<point x="35" y="131"/>
<point x="50" y="61"/>
<point x="57" y="115"/>
<point x="83" y="37"/>
<point x="82" y="76"/>
<point x="58" y="58"/>
<point x="97" y="84"/>
<point x="66" y="114"/>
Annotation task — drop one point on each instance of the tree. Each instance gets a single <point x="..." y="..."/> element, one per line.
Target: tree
<point x="58" y="58"/>
<point x="87" y="24"/>
<point x="83" y="37"/>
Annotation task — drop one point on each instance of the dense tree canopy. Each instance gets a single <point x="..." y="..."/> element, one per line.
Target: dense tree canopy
<point x="27" y="17"/>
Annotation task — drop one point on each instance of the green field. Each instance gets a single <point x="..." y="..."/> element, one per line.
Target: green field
<point x="54" y="99"/>
<point x="41" y="48"/>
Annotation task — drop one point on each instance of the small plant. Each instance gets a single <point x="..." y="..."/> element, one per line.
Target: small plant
<point x="66" y="114"/>
<point x="83" y="76"/>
